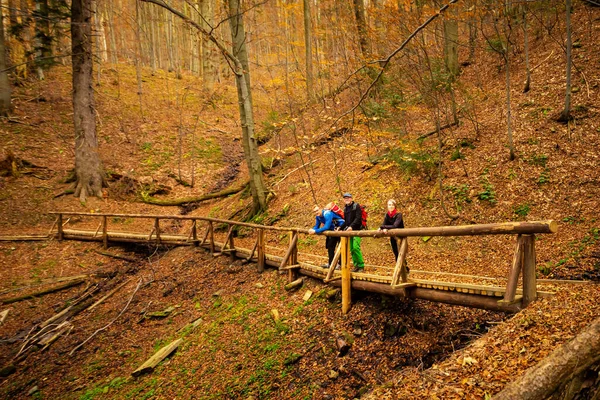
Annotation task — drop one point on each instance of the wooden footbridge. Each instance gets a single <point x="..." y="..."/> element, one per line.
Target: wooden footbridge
<point x="510" y="298"/>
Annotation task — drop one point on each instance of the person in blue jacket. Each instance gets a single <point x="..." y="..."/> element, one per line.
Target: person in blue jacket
<point x="327" y="220"/>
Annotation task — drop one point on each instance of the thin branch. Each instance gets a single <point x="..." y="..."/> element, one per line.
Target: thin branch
<point x="110" y="323"/>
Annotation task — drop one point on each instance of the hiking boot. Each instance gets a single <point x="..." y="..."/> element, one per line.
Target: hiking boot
<point x="325" y="266"/>
<point x="338" y="267"/>
<point x="358" y="269"/>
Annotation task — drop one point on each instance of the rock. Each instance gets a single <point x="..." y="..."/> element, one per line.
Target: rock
<point x="32" y="390"/>
<point x="259" y="285"/>
<point x="218" y="293"/>
<point x="307" y="295"/>
<point x="333" y="375"/>
<point x="390" y="329"/>
<point x="7" y="370"/>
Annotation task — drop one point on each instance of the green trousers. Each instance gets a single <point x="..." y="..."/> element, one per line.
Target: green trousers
<point x="357" y="258"/>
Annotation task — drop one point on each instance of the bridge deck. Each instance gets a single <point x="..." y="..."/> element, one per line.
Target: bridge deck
<point x="307" y="268"/>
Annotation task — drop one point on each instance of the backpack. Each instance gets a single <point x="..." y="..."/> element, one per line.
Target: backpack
<point x="363" y="215"/>
<point x="335" y="209"/>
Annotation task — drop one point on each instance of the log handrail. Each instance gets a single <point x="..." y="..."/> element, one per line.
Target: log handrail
<point x="502" y="228"/>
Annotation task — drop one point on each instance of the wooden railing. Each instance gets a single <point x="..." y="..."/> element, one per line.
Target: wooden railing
<point x="523" y="260"/>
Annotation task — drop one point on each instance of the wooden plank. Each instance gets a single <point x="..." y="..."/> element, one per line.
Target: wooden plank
<point x="346" y="276"/>
<point x="529" y="278"/>
<point x="513" y="276"/>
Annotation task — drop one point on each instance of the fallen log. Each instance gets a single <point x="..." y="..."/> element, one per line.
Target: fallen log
<point x="23" y="238"/>
<point x="566" y="362"/>
<point x="43" y="292"/>
<point x="193" y="199"/>
<point x="160" y="355"/>
<point x="295" y="284"/>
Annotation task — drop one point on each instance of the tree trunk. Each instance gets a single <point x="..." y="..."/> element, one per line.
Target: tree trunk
<point x="511" y="146"/>
<point x="113" y="41"/>
<point x="361" y="25"/>
<point x="565" y="116"/>
<point x="565" y="363"/>
<point x="526" y="46"/>
<point x="308" y="46"/>
<point x="43" y="41"/>
<point x="242" y="79"/>
<point x="5" y="89"/>
<point x="451" y="44"/>
<point x="207" y="66"/>
<point x="88" y="166"/>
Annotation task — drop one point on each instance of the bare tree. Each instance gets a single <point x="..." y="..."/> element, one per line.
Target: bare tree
<point x="361" y="25"/>
<point x="565" y="115"/>
<point x="88" y="166"/>
<point x="308" y="48"/>
<point x="5" y="91"/>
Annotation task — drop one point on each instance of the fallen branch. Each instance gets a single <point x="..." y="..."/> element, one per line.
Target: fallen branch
<point x="108" y="295"/>
<point x="24" y="238"/>
<point x="109" y="324"/>
<point x="160" y="355"/>
<point x="117" y="256"/>
<point x="448" y="125"/>
<point x="294" y="170"/>
<point x="44" y="282"/>
<point x="193" y="199"/>
<point x="43" y="292"/>
<point x="295" y="284"/>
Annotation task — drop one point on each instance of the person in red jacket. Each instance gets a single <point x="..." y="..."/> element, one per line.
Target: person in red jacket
<point x="392" y="220"/>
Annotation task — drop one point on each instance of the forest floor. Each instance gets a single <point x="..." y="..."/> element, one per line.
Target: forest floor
<point x="399" y="348"/>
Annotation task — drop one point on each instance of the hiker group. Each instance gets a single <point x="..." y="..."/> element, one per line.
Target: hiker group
<point x="352" y="218"/>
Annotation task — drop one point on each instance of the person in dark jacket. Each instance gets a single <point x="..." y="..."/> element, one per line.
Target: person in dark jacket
<point x="353" y="222"/>
<point x="327" y="220"/>
<point x="392" y="220"/>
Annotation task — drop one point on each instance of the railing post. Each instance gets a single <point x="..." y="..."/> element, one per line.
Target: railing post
<point x="105" y="232"/>
<point x="346" y="276"/>
<point x="157" y="230"/>
<point x="194" y="233"/>
<point x="529" y="278"/>
<point x="513" y="276"/>
<point x="261" y="250"/>
<point x="400" y="272"/>
<point x="293" y="260"/>
<point x="231" y="245"/>
<point x="211" y="233"/>
<point x="61" y="234"/>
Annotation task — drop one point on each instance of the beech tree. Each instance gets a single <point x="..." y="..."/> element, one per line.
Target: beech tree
<point x="88" y="166"/>
<point x="238" y="60"/>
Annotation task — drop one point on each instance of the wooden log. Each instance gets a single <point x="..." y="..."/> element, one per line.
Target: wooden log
<point x="193" y="199"/>
<point x="342" y="345"/>
<point x="64" y="286"/>
<point x="334" y="262"/>
<point x="108" y="295"/>
<point x="160" y="355"/>
<point x="529" y="278"/>
<point x="157" y="229"/>
<point x="191" y="327"/>
<point x="249" y="258"/>
<point x="292" y="273"/>
<point x="194" y="233"/>
<point x="105" y="232"/>
<point x="513" y="276"/>
<point x="506" y="228"/>
<point x="295" y="284"/>
<point x="290" y="267"/>
<point x="346" y="276"/>
<point x="227" y="238"/>
<point x="290" y="251"/>
<point x="398" y="275"/>
<point x="204" y="237"/>
<point x="117" y="256"/>
<point x="24" y="238"/>
<point x="568" y="361"/>
<point x="3" y="315"/>
<point x="261" y="250"/>
<point x="211" y="229"/>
